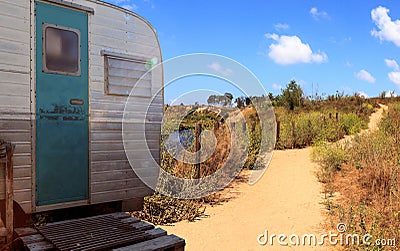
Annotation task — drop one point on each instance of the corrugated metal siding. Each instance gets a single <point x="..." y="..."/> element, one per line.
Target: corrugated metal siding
<point x="111" y="175"/>
<point x="15" y="125"/>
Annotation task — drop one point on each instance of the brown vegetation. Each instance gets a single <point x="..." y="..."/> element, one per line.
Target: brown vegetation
<point x="366" y="182"/>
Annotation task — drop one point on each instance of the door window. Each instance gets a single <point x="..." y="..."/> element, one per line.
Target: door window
<point x="61" y="50"/>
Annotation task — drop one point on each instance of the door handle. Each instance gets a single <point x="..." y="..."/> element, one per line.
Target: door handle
<point x="75" y="101"/>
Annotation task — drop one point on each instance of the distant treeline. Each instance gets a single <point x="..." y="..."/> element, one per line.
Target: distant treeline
<point x="293" y="96"/>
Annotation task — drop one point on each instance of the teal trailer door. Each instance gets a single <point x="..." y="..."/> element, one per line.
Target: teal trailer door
<point x="61" y="104"/>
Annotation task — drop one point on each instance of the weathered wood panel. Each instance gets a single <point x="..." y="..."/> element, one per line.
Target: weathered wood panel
<point x="19" y="183"/>
<point x="15" y="90"/>
<point x="120" y="34"/>
<point x="26" y="205"/>
<point x="165" y="242"/>
<point x="120" y="155"/>
<point x="14" y="95"/>
<point x="13" y="136"/>
<point x="14" y="59"/>
<point x="100" y="166"/>
<point x="112" y="195"/>
<point x="109" y="18"/>
<point x="117" y="136"/>
<point x="18" y="46"/>
<point x="18" y="132"/>
<point x="14" y="78"/>
<point x="8" y="103"/>
<point x="22" y="171"/>
<point x="23" y="195"/>
<point x="99" y="126"/>
<point x="101" y="147"/>
<point x="113" y="175"/>
<point x="16" y="36"/>
<point x="18" y="9"/>
<point x="120" y="165"/>
<point x="126" y="91"/>
<point x="115" y="185"/>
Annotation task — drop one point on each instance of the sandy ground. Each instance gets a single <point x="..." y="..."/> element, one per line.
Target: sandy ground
<point x="286" y="200"/>
<point x="375" y="118"/>
<point x="372" y="124"/>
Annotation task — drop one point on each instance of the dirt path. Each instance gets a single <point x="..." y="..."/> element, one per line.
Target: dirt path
<point x="375" y="118"/>
<point x="285" y="200"/>
<point x="372" y="124"/>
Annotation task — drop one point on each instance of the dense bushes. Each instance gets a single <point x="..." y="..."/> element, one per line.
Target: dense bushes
<point x="312" y="127"/>
<point x="368" y="182"/>
<point x="351" y="123"/>
<point x="330" y="156"/>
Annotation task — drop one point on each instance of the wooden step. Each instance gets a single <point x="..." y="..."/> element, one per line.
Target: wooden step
<point x="163" y="243"/>
<point x="105" y="232"/>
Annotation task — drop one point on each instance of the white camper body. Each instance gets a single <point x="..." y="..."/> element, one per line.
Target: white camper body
<point x="71" y="153"/>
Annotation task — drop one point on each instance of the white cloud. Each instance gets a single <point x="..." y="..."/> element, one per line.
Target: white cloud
<point x="365" y="76"/>
<point x="394" y="76"/>
<point x="316" y="14"/>
<point x="218" y="68"/>
<point x="391" y="63"/>
<point x="131" y="7"/>
<point x="126" y="4"/>
<point x="390" y="93"/>
<point x="387" y="29"/>
<point x="347" y="89"/>
<point x="291" y="50"/>
<point x="362" y="94"/>
<point x="301" y="82"/>
<point x="281" y="26"/>
<point x="348" y="64"/>
<point x="272" y="36"/>
<point x="276" y="86"/>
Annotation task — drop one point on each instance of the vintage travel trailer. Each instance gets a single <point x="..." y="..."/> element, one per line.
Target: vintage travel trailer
<point x="66" y="70"/>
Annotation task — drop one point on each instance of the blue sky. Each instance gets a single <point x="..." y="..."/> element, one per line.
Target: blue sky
<point x="350" y="46"/>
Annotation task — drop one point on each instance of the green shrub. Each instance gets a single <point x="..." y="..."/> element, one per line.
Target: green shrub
<point x="351" y="123"/>
<point x="390" y="124"/>
<point x="369" y="184"/>
<point x="310" y="127"/>
<point x="330" y="156"/>
<point x="367" y="107"/>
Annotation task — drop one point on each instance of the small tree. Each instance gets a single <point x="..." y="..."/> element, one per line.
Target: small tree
<point x="292" y="95"/>
<point x="247" y="101"/>
<point x="211" y="99"/>
<point x="271" y="96"/>
<point x="239" y="102"/>
<point x="228" y="99"/>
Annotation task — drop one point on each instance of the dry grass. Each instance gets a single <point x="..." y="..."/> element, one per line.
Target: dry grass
<point x="214" y="162"/>
<point x="161" y="209"/>
<point x="368" y="184"/>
